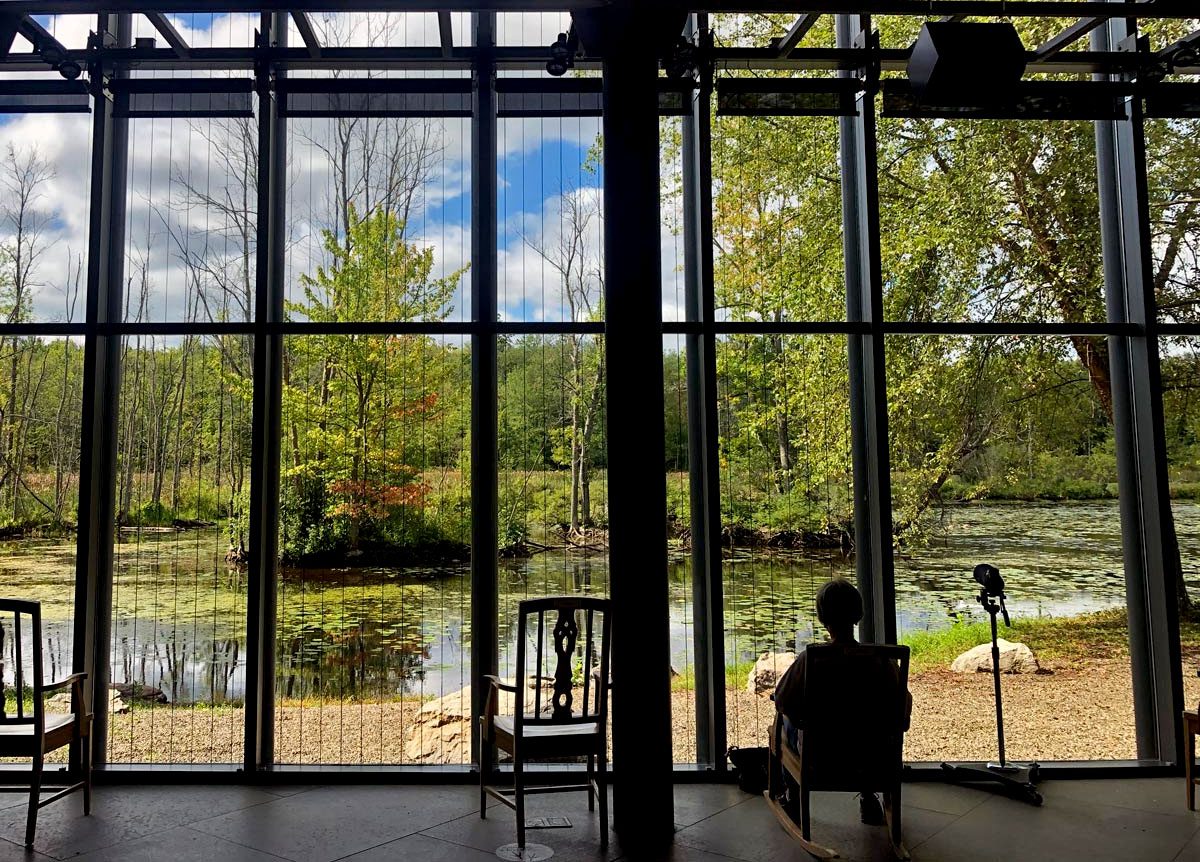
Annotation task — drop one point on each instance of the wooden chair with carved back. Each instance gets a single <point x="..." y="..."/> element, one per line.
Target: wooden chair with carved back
<point x="850" y="738"/>
<point x="26" y="729"/>
<point x="563" y="641"/>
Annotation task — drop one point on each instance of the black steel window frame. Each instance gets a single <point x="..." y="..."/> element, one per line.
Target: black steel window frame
<point x="1132" y="328"/>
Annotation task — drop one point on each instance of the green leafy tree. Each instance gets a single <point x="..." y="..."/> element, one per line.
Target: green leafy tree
<point x="364" y="398"/>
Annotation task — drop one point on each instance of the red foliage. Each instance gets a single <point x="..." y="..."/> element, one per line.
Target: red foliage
<point x="424" y="404"/>
<point x="367" y="498"/>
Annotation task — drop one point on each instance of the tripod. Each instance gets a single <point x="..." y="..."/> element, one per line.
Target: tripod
<point x="1014" y="779"/>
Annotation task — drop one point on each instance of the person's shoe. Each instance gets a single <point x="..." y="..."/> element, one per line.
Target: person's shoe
<point x="870" y="809"/>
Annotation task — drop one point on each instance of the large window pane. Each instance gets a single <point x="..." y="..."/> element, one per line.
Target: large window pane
<point x="1181" y="421"/>
<point x="787" y="509"/>
<point x="379" y="225"/>
<point x="989" y="220"/>
<point x="1173" y="173"/>
<point x="1002" y="453"/>
<point x="777" y="219"/>
<point x="191" y="222"/>
<point x="179" y="593"/>
<point x="44" y="181"/>
<point x="374" y="581"/>
<point x="679" y="549"/>
<point x="553" y="518"/>
<point x="40" y="385"/>
<point x="550" y="219"/>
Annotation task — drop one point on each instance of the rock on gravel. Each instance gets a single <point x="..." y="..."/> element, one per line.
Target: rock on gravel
<point x="767" y="671"/>
<point x="61" y="702"/>
<point x="1014" y="658"/>
<point x="441" y="730"/>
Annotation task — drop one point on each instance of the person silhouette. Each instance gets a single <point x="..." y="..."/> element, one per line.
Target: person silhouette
<point x="839" y="609"/>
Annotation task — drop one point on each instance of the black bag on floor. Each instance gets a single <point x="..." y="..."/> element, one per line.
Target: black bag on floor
<point x="750" y="768"/>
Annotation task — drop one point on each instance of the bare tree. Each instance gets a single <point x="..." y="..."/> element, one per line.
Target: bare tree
<point x="575" y="258"/>
<point x="23" y="175"/>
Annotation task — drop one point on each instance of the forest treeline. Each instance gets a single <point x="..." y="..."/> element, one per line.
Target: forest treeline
<point x="993" y="221"/>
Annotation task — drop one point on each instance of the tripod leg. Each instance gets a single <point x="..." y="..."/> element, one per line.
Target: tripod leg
<point x="996" y="682"/>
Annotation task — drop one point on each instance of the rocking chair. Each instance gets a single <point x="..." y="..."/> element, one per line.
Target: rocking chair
<point x="542" y="728"/>
<point x="850" y="738"/>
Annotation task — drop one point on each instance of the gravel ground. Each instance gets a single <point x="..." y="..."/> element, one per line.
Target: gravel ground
<point x="1081" y="710"/>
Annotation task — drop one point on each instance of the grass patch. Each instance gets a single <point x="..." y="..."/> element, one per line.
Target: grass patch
<point x="1103" y="634"/>
<point x="735" y="676"/>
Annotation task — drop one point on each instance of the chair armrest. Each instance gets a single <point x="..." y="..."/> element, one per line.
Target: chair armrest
<point x="491" y="705"/>
<point x="496" y="682"/>
<point x="63" y="683"/>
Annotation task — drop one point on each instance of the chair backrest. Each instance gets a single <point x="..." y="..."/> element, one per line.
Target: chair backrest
<point x="563" y="651"/>
<point x="23" y="684"/>
<point x="854" y="715"/>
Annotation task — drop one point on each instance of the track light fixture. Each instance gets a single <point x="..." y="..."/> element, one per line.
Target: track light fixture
<point x="562" y="53"/>
<point x="57" y="59"/>
<point x="1184" y="54"/>
<point x="69" y="69"/>
<point x="45" y="46"/>
<point x="682" y="60"/>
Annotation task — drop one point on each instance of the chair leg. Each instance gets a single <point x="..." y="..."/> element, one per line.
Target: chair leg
<point x="519" y="797"/>
<point x="35" y="792"/>
<point x="591" y="777"/>
<point x="485" y="769"/>
<point x="892" y="804"/>
<point x="805" y="820"/>
<point x="85" y="758"/>
<point x="1189" y="766"/>
<point x="602" y="792"/>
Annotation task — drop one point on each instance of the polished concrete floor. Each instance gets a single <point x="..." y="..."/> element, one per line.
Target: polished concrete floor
<point x="1132" y="819"/>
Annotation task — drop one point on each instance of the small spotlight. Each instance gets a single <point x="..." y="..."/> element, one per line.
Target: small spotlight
<point x="682" y="60"/>
<point x="69" y="69"/>
<point x="560" y="56"/>
<point x="1185" y="56"/>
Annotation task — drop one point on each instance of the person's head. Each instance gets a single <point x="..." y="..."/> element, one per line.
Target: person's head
<point x="839" y="607"/>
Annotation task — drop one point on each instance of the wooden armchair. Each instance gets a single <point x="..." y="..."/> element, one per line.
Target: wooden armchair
<point x="566" y="636"/>
<point x="29" y="731"/>
<point x="850" y="738"/>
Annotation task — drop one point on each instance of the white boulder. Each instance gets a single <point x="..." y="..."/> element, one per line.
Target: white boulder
<point x="61" y="703"/>
<point x="441" y="730"/>
<point x="1014" y="658"/>
<point x="767" y="670"/>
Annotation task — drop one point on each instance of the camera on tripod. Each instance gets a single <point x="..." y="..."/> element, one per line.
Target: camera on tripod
<point x="1016" y="779"/>
<point x="992" y="595"/>
<point x="989" y="578"/>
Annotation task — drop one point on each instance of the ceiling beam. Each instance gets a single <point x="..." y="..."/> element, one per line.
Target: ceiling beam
<point x="172" y="36"/>
<point x="311" y="41"/>
<point x="533" y="57"/>
<point x="1067" y="37"/>
<point x="913" y="8"/>
<point x="797" y="32"/>
<point x="39" y="37"/>
<point x="446" y="32"/>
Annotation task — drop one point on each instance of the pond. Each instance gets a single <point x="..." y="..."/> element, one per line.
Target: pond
<point x="179" y="609"/>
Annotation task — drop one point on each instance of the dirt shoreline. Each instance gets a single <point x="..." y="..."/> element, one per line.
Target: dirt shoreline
<point x="1080" y="711"/>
